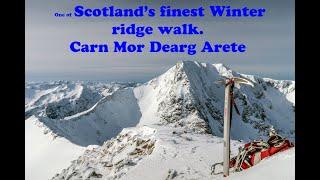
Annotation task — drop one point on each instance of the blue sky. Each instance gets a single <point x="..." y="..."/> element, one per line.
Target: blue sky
<point x="270" y="41"/>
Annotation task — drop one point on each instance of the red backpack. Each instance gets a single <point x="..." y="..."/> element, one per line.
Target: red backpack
<point x="254" y="152"/>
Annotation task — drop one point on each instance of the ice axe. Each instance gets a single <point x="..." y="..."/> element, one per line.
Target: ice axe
<point x="228" y="102"/>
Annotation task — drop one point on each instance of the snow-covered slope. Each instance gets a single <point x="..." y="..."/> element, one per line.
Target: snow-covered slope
<point x="46" y="154"/>
<point x="163" y="153"/>
<point x="178" y="111"/>
<point x="280" y="166"/>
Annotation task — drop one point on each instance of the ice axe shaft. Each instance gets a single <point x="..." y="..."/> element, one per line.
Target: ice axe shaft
<point x="228" y="103"/>
<point x="226" y="130"/>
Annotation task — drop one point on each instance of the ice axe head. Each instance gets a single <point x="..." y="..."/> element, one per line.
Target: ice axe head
<point x="241" y="80"/>
<point x="235" y="80"/>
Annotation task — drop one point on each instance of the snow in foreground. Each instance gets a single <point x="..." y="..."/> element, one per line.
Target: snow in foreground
<point x="163" y="153"/>
<point x="46" y="156"/>
<point x="279" y="166"/>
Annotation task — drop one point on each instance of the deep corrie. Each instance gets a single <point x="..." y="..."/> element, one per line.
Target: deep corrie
<point x="157" y="47"/>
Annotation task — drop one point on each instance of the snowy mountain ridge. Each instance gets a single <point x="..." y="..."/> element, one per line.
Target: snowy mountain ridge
<point x="184" y="101"/>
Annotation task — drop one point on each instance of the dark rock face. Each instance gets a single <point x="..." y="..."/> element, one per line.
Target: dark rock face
<point x="202" y="98"/>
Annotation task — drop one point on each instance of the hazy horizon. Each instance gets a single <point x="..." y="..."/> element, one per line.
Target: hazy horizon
<point x="139" y="78"/>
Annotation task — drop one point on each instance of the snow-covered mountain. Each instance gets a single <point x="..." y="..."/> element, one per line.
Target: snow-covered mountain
<point x="54" y="136"/>
<point x="175" y="120"/>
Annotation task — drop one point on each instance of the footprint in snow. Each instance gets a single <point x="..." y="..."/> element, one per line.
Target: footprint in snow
<point x="193" y="150"/>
